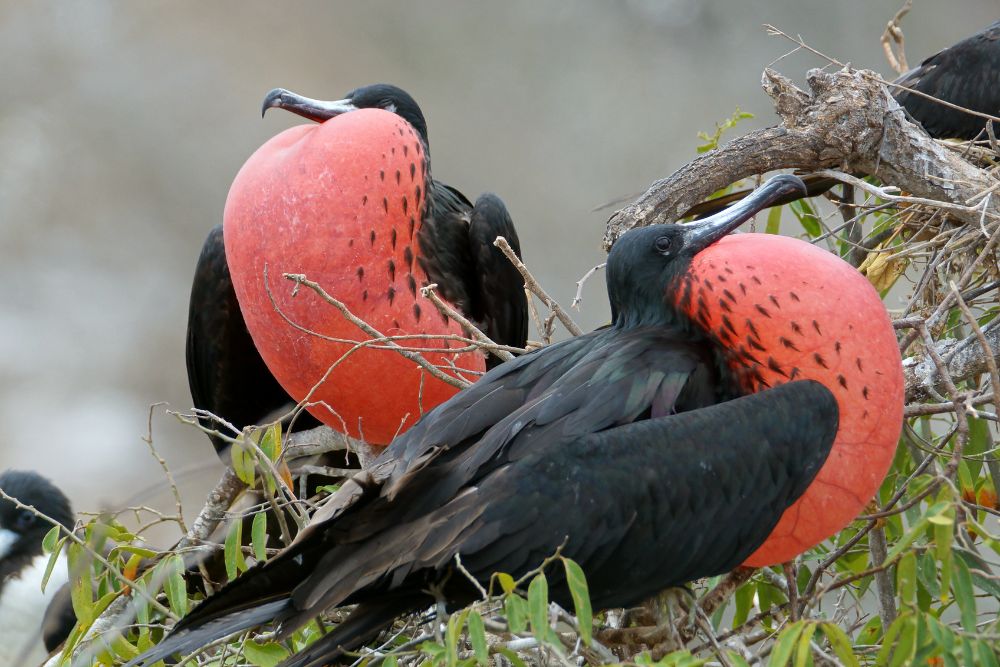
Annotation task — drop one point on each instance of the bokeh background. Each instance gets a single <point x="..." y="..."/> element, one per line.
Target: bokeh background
<point x="123" y="123"/>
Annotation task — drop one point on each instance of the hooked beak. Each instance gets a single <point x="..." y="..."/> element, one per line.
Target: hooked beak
<point x="316" y="110"/>
<point x="699" y="235"/>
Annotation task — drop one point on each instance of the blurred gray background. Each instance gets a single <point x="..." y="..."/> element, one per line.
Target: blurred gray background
<point x="123" y="123"/>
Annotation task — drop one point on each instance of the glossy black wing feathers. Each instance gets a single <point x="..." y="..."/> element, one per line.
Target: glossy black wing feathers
<point x="443" y="239"/>
<point x="457" y="253"/>
<point x="502" y="308"/>
<point x="966" y="74"/>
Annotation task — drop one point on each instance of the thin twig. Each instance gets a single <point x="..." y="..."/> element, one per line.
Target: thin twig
<point x="532" y="284"/>
<point x="430" y="292"/>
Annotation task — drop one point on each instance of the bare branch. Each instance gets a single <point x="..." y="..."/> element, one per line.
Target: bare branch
<point x="965" y="359"/>
<point x="848" y="122"/>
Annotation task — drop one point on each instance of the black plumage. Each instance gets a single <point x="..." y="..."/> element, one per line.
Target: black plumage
<point x="966" y="74"/>
<point x="629" y="447"/>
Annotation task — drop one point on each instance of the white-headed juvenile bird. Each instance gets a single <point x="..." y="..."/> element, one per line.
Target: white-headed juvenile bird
<point x="26" y="635"/>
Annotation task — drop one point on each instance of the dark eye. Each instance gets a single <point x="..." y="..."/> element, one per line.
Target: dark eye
<point x="663" y="244"/>
<point x="25" y="520"/>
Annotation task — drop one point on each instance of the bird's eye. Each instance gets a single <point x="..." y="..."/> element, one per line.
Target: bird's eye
<point x="663" y="244"/>
<point x="25" y="520"/>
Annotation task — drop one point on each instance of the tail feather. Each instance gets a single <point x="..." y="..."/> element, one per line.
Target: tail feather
<point x="364" y="623"/>
<point x="187" y="640"/>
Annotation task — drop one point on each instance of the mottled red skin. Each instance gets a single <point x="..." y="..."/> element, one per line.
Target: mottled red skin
<point x="803" y="313"/>
<point x="340" y="202"/>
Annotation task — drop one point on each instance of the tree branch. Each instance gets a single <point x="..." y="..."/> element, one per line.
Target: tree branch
<point x="964" y="358"/>
<point x="848" y="122"/>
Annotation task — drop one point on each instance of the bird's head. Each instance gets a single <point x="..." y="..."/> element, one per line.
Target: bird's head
<point x="21" y="530"/>
<point x="376" y="96"/>
<point x="645" y="262"/>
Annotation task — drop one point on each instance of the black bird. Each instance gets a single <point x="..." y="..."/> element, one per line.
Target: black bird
<point x="631" y="447"/>
<point x="32" y="622"/>
<point x="966" y="74"/>
<point x="226" y="373"/>
<point x="457" y="236"/>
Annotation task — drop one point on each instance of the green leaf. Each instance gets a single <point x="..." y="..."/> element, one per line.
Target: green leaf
<point x="807" y="217"/>
<point x="711" y="141"/>
<point x="871" y="631"/>
<point x="81" y="590"/>
<point x="840" y="643"/>
<point x="773" y="221"/>
<point x="803" y="652"/>
<point x="258" y="536"/>
<point x="889" y="640"/>
<point x="434" y="650"/>
<point x="927" y="574"/>
<point x="232" y="553"/>
<point x="131" y="549"/>
<point x="51" y="539"/>
<point x="517" y="613"/>
<point x="744" y="603"/>
<point x="174" y="585"/>
<point x="942" y="635"/>
<point x="270" y="442"/>
<point x="514" y="658"/>
<point x="783" y="648"/>
<point x="538" y="606"/>
<point x="967" y="652"/>
<point x="507" y="582"/>
<point x="978" y="443"/>
<point x="264" y="655"/>
<point x="986" y="655"/>
<point x="982" y="583"/>
<point x="735" y="659"/>
<point x="452" y="636"/>
<point x="961" y="587"/>
<point x="906" y="646"/>
<point x="906" y="578"/>
<point x="477" y="637"/>
<point x="577" y="583"/>
<point x="53" y="552"/>
<point x="243" y="462"/>
<point x="122" y="649"/>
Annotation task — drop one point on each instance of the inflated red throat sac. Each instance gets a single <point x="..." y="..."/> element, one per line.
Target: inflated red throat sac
<point x="341" y="202"/>
<point x="785" y="310"/>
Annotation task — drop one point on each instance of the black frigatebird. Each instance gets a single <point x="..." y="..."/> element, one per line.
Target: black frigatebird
<point x="453" y="248"/>
<point x="967" y="75"/>
<point x="635" y="448"/>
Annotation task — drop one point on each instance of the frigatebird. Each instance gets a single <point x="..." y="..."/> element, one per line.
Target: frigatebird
<point x="453" y="248"/>
<point x="651" y="451"/>
<point x="33" y="621"/>
<point x="966" y="74"/>
<point x="226" y="374"/>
